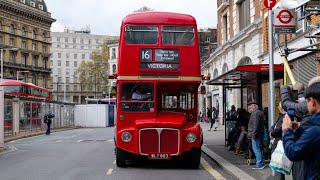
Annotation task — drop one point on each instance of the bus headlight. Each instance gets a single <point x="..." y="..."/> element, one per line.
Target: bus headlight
<point x="191" y="138"/>
<point x="126" y="137"/>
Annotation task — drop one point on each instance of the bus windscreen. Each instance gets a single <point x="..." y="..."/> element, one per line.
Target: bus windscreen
<point x="141" y="34"/>
<point x="179" y="35"/>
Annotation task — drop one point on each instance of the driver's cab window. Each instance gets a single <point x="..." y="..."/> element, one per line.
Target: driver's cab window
<point x="137" y="97"/>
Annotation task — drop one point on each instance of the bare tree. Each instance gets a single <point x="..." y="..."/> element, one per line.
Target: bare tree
<point x="94" y="74"/>
<point x="143" y="9"/>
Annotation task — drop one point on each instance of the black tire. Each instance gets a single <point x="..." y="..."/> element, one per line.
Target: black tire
<point x="121" y="157"/>
<point x="194" y="158"/>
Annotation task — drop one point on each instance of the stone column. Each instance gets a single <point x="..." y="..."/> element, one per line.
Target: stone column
<point x="15" y="115"/>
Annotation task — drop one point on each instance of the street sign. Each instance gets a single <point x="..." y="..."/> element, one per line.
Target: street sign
<point x="284" y="21"/>
<point x="272" y="4"/>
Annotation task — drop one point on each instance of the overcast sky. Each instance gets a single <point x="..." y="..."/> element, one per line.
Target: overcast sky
<point x="104" y="16"/>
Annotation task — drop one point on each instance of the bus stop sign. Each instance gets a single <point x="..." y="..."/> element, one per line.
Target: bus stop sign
<point x="284" y="21"/>
<point x="272" y="4"/>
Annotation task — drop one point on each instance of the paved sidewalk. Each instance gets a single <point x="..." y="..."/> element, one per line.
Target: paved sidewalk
<point x="32" y="133"/>
<point x="214" y="146"/>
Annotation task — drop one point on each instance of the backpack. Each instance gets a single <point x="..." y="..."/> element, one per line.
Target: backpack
<point x="45" y="119"/>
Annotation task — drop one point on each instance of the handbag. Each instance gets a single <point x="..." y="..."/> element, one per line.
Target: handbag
<point x="279" y="160"/>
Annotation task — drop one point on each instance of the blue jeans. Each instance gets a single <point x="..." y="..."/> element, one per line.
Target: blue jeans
<point x="257" y="149"/>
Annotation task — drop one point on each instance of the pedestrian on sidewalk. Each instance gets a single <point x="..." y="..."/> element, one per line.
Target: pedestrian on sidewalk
<point x="276" y="134"/>
<point x="213" y="120"/>
<point x="209" y="114"/>
<point x="48" y="120"/>
<point x="255" y="132"/>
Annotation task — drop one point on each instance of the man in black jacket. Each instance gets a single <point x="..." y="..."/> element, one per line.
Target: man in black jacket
<point x="255" y="132"/>
<point x="48" y="120"/>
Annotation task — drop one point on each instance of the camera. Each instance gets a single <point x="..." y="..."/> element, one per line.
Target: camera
<point x="290" y="113"/>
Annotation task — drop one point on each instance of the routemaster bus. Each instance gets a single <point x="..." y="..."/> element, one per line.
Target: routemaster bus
<point x="158" y="79"/>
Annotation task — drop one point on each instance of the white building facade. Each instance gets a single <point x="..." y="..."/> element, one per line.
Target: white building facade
<point x="69" y="49"/>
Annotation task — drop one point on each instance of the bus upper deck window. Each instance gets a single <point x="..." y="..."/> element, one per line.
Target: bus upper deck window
<point x="141" y="34"/>
<point x="180" y="35"/>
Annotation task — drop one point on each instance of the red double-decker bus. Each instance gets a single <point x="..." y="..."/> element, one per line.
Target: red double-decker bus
<point x="158" y="79"/>
<point x="21" y="89"/>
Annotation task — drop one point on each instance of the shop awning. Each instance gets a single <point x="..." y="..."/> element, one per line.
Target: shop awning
<point x="242" y="74"/>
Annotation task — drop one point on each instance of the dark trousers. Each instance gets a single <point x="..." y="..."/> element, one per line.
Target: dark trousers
<point x="48" y="130"/>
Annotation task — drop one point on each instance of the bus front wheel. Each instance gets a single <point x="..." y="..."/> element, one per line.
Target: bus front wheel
<point x="194" y="158"/>
<point x="120" y="157"/>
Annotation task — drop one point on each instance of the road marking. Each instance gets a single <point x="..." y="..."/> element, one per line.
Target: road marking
<point x="109" y="171"/>
<point x="114" y="162"/>
<point x="58" y="141"/>
<point x="213" y="172"/>
<point x="110" y="140"/>
<point x="79" y="141"/>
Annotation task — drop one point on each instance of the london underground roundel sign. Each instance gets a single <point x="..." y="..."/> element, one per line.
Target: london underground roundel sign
<point x="285" y="16"/>
<point x="272" y="4"/>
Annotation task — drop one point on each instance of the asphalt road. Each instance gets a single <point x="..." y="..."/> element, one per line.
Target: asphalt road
<point x="88" y="154"/>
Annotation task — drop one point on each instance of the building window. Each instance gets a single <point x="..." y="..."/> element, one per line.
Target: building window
<point x="67" y="55"/>
<point x="75" y="56"/>
<point x="113" y="53"/>
<point x="74" y="40"/>
<point x="1" y="39"/>
<point x="23" y="59"/>
<point x="67" y="71"/>
<point x="11" y="41"/>
<point x="59" y="89"/>
<point x="58" y="39"/>
<point x="24" y="44"/>
<point x="44" y="49"/>
<point x="59" y="63"/>
<point x="34" y="36"/>
<point x="75" y="72"/>
<point x="83" y="56"/>
<point x="225" y="27"/>
<point x="75" y="80"/>
<point x="75" y="63"/>
<point x="51" y="63"/>
<point x="44" y="63"/>
<point x="81" y="40"/>
<point x="97" y="41"/>
<point x="34" y="79"/>
<point x="34" y="61"/>
<point x="66" y="39"/>
<point x="33" y="4"/>
<point x="43" y="37"/>
<point x="58" y="46"/>
<point x="244" y="13"/>
<point x="114" y="69"/>
<point x="11" y="29"/>
<point x="23" y="32"/>
<point x="67" y="88"/>
<point x="75" y="88"/>
<point x="12" y="57"/>
<point x="67" y="79"/>
<point x="89" y="41"/>
<point x="44" y="81"/>
<point x="82" y="47"/>
<point x="67" y="63"/>
<point x="40" y="7"/>
<point x="34" y="46"/>
<point x="59" y="78"/>
<point x="74" y="47"/>
<point x="59" y="55"/>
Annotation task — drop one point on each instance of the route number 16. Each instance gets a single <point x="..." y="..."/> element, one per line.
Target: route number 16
<point x="146" y="55"/>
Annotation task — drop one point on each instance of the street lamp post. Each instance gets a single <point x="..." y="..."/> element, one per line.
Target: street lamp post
<point x="2" y="100"/>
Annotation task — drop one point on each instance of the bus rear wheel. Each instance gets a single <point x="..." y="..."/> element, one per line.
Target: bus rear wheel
<point x="194" y="158"/>
<point x="121" y="157"/>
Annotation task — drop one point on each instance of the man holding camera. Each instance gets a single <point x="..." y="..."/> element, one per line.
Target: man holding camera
<point x="304" y="143"/>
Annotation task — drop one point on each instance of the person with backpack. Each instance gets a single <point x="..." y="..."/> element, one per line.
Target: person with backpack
<point x="48" y="120"/>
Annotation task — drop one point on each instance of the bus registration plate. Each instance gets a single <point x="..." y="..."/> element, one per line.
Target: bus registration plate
<point x="159" y="156"/>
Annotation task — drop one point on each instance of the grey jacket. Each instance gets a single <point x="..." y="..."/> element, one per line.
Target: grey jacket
<point x="255" y="125"/>
<point x="301" y="109"/>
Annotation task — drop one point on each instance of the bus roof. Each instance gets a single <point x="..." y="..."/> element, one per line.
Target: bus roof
<point x="19" y="83"/>
<point x="152" y="17"/>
